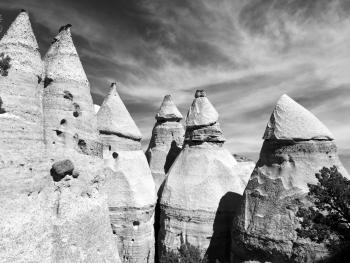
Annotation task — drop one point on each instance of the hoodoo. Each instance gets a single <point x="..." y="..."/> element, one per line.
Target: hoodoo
<point x="202" y="188"/>
<point x="81" y="226"/>
<point x="22" y="168"/>
<point x="130" y="186"/>
<point x="296" y="147"/>
<point x="167" y="139"/>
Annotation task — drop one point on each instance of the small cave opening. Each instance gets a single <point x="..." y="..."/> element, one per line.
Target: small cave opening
<point x="63" y="122"/>
<point x="109" y="148"/>
<point x="2" y="110"/>
<point x="115" y="155"/>
<point x="67" y="95"/>
<point x="47" y="81"/>
<point x="136" y="223"/>
<point x="82" y="145"/>
<point x="58" y="132"/>
<point x="39" y="79"/>
<point x="77" y="111"/>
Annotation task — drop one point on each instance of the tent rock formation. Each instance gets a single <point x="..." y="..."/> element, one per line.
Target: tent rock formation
<point x="129" y="184"/>
<point x="297" y="145"/>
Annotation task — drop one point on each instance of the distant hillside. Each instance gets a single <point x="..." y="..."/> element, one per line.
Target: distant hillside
<point x="345" y="158"/>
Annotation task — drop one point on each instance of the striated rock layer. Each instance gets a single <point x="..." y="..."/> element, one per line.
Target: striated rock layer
<point x="202" y="188"/>
<point x="297" y="145"/>
<point x="130" y="186"/>
<point x="166" y="141"/>
<point x="43" y="218"/>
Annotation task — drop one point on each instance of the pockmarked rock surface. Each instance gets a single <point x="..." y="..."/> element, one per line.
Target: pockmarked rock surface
<point x="129" y="184"/>
<point x="296" y="147"/>
<point x="42" y="219"/>
<point x="202" y="188"/>
<point x="166" y="141"/>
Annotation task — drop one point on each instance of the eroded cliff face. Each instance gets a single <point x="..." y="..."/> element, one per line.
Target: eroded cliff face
<point x="44" y="217"/>
<point x="166" y="141"/>
<point x="129" y="184"/>
<point x="202" y="188"/>
<point x="265" y="227"/>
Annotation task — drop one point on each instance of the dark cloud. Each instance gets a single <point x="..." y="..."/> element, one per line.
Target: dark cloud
<point x="246" y="54"/>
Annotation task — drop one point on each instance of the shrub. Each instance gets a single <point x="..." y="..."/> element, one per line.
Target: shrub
<point x="187" y="253"/>
<point x="4" y="64"/>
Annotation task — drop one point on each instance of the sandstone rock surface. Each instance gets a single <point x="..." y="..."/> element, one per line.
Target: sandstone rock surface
<point x="129" y="184"/>
<point x="41" y="219"/>
<point x="264" y="229"/>
<point x="201" y="189"/>
<point x="166" y="141"/>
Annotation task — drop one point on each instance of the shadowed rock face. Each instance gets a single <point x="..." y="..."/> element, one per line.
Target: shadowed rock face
<point x="264" y="229"/>
<point x="200" y="186"/>
<point x="44" y="219"/>
<point x="129" y="183"/>
<point x="166" y="142"/>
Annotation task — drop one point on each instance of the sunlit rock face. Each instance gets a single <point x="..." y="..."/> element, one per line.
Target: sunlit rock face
<point x="129" y="184"/>
<point x="297" y="145"/>
<point x="202" y="188"/>
<point x="70" y="120"/>
<point x="44" y="218"/>
<point x="166" y="142"/>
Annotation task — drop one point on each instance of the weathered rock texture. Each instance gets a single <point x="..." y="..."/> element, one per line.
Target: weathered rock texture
<point x="44" y="217"/>
<point x="201" y="189"/>
<point x="69" y="112"/>
<point x="130" y="186"/>
<point x="297" y="145"/>
<point x="166" y="142"/>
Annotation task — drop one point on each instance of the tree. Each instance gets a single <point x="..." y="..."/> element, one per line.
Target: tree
<point x="328" y="220"/>
<point x="187" y="253"/>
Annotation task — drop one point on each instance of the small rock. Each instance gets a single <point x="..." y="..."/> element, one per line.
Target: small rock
<point x="62" y="168"/>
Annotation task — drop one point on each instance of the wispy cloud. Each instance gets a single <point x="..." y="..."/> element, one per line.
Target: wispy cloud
<point x="244" y="53"/>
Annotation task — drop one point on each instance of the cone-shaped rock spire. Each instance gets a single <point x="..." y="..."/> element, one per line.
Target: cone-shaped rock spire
<point x="130" y="186"/>
<point x="187" y="212"/>
<point x="168" y="110"/>
<point x="113" y="117"/>
<point x="69" y="112"/>
<point x="20" y="44"/>
<point x="167" y="139"/>
<point x="201" y="111"/>
<point x="291" y="121"/>
<point x="278" y="187"/>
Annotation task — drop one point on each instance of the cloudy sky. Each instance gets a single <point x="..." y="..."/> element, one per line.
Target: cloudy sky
<point x="246" y="54"/>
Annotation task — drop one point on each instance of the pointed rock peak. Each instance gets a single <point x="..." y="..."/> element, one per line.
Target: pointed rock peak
<point x="201" y="112"/>
<point x="114" y="118"/>
<point x="168" y="110"/>
<point x="291" y="121"/>
<point x="64" y="27"/>
<point x="62" y="59"/>
<point x="20" y="31"/>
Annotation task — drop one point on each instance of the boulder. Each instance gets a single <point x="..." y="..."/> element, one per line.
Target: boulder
<point x="291" y="155"/>
<point x="129" y="184"/>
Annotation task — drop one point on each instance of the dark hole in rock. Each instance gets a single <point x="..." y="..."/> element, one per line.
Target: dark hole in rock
<point x="63" y="122"/>
<point x="115" y="155"/>
<point x="67" y="95"/>
<point x="110" y="147"/>
<point x="132" y="240"/>
<point x="82" y="145"/>
<point x="39" y="79"/>
<point x="136" y="223"/>
<point x="47" y="81"/>
<point x="77" y="111"/>
<point x="76" y="136"/>
<point x="114" y="232"/>
<point x="58" y="132"/>
<point x="4" y="64"/>
<point x="2" y="111"/>
<point x="53" y="142"/>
